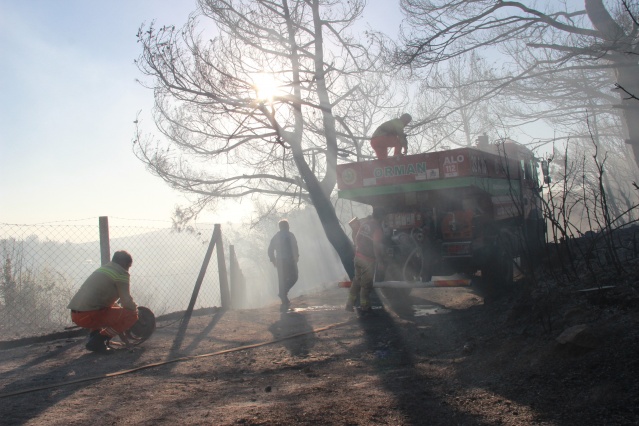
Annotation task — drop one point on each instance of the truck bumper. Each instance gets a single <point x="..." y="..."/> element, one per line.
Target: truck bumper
<point x="456" y="280"/>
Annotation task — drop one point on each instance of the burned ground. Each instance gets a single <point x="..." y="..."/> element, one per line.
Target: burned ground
<point x="449" y="359"/>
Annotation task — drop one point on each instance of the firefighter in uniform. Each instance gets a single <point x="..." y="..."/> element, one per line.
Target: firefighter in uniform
<point x="391" y="135"/>
<point x="94" y="305"/>
<point x="368" y="258"/>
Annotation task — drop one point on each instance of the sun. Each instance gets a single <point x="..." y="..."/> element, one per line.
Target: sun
<point x="265" y="87"/>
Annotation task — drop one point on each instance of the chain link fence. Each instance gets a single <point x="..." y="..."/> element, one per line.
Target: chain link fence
<point x="44" y="264"/>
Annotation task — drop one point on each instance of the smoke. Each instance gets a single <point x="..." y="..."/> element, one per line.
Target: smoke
<point x="319" y="265"/>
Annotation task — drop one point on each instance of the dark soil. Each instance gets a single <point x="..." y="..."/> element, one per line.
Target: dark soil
<point x="445" y="359"/>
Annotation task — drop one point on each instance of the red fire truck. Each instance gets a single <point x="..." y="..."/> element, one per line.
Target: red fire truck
<point x="456" y="211"/>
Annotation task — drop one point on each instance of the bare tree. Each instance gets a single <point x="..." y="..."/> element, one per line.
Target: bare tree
<point x="455" y="102"/>
<point x="262" y="109"/>
<point x="546" y="49"/>
<point x="577" y="104"/>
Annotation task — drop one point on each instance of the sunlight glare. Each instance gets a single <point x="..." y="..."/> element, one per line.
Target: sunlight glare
<point x="265" y="87"/>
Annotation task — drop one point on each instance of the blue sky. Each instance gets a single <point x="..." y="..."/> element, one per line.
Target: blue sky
<point x="69" y="98"/>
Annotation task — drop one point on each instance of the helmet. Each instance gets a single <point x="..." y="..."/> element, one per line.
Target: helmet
<point x="406" y="117"/>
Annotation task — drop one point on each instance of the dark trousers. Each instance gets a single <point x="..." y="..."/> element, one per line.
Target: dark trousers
<point x="287" y="277"/>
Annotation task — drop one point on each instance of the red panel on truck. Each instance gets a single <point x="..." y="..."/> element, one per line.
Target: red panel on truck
<point x="420" y="167"/>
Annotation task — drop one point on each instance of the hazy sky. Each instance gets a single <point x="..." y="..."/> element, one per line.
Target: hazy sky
<point x="69" y="97"/>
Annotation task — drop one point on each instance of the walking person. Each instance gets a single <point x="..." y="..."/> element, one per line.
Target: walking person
<point x="390" y="134"/>
<point x="95" y="306"/>
<point x="284" y="254"/>
<point x="368" y="258"/>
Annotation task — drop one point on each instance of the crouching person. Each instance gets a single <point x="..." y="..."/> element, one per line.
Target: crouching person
<point x="94" y="305"/>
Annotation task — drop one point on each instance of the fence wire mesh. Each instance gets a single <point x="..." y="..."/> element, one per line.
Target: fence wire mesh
<point x="43" y="265"/>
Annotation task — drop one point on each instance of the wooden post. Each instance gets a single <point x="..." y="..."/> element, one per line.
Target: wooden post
<point x="105" y="247"/>
<point x="238" y="283"/>
<point x="221" y="267"/>
<point x="200" y="278"/>
<point x="233" y="277"/>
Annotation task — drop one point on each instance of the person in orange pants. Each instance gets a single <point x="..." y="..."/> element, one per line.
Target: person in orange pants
<point x="391" y="135"/>
<point x="94" y="305"/>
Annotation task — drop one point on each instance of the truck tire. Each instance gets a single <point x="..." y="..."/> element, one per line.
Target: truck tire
<point x="497" y="275"/>
<point x="535" y="239"/>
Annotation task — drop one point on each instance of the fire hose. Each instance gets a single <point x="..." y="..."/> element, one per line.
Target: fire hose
<point x="175" y="360"/>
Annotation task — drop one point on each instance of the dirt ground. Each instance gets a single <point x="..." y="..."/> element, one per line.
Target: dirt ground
<point x="448" y="359"/>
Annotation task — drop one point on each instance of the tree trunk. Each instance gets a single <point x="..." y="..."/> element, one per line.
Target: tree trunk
<point x="628" y="79"/>
<point x="623" y="51"/>
<point x="328" y="119"/>
<point x="326" y="213"/>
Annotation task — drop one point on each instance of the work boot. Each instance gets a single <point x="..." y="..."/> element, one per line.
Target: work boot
<point x="98" y="343"/>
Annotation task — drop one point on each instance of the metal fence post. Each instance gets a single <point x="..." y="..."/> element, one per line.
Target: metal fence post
<point x="200" y="278"/>
<point x="105" y="247"/>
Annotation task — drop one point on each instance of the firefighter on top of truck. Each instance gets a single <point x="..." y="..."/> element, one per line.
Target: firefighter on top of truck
<point x="391" y="135"/>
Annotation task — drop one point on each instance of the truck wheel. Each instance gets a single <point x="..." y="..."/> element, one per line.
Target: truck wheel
<point x="497" y="275"/>
<point x="535" y="242"/>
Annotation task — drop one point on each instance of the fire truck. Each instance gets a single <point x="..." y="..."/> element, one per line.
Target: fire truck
<point x="456" y="213"/>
